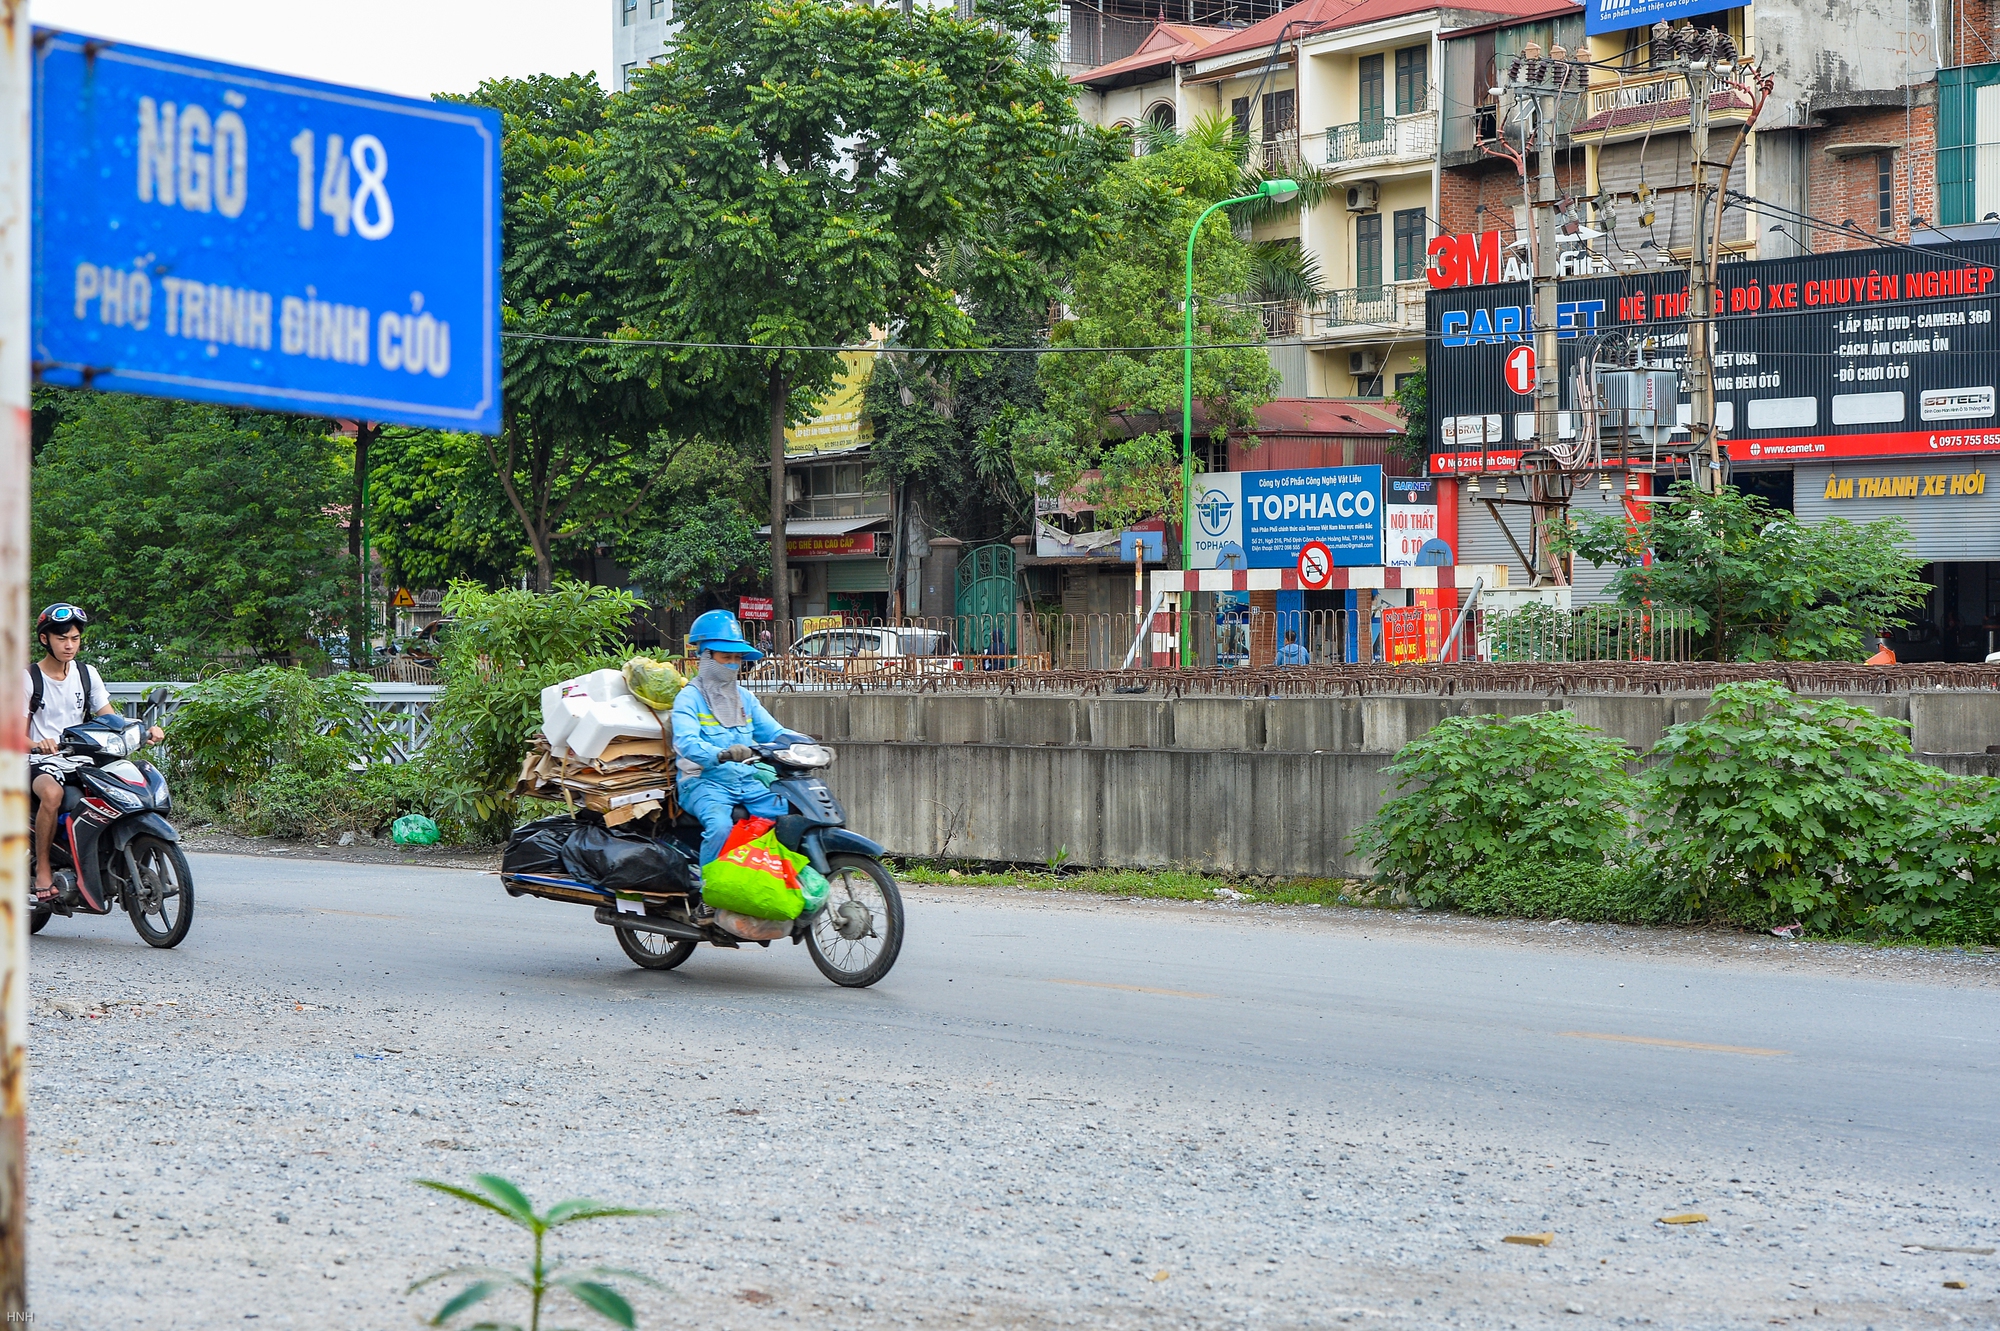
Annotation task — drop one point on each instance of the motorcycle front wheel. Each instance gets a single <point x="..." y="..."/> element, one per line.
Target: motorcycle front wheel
<point x="161" y="903"/>
<point x="855" y="938"/>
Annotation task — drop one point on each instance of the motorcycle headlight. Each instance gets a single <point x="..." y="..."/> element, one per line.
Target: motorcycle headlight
<point x="806" y="755"/>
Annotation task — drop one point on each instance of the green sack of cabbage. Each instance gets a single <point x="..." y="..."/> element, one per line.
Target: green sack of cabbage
<point x="813" y="887"/>
<point x="654" y="683"/>
<point x="413" y="829"/>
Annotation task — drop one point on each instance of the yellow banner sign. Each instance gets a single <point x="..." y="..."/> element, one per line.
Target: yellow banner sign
<point x="840" y="421"/>
<point x="1905" y="487"/>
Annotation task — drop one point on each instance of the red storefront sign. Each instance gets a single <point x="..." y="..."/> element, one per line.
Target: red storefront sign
<point x="821" y="547"/>
<point x="754" y="607"/>
<point x="1403" y="635"/>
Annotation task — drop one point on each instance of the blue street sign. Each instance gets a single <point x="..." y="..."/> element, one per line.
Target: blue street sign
<point x="227" y="235"/>
<point x="1602" y="16"/>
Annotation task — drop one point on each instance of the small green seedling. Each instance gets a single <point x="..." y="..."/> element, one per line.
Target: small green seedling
<point x="501" y="1197"/>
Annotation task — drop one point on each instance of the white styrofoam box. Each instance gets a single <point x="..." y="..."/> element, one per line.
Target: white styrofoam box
<point x="605" y="685"/>
<point x="602" y="722"/>
<point x="563" y="705"/>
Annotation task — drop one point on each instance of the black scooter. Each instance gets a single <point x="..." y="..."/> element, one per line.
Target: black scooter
<point x="853" y="938"/>
<point x="113" y="844"/>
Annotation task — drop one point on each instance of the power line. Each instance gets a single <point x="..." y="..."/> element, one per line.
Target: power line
<point x="866" y="350"/>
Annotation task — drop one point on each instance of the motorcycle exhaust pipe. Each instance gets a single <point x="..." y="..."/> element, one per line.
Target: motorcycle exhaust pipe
<point x="649" y="924"/>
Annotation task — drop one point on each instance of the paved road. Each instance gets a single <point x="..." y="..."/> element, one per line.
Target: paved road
<point x="1056" y="1112"/>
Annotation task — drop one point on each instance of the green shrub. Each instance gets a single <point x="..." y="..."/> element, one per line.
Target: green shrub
<point x="1543" y="786"/>
<point x="1562" y="890"/>
<point x="502" y="650"/>
<point x="1944" y="881"/>
<point x="1774" y="807"/>
<point x="233" y="731"/>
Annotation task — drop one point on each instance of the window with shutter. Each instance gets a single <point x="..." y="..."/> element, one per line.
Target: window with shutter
<point x="1368" y="256"/>
<point x="1371" y="99"/>
<point x="1410" y="240"/>
<point x="1412" y="79"/>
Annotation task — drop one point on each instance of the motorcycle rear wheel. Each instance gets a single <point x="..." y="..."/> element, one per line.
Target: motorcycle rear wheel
<point x="856" y="963"/>
<point x="655" y="952"/>
<point x="162" y="909"/>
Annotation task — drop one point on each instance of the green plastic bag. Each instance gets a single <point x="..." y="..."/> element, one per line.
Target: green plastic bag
<point x="654" y="683"/>
<point x="413" y="829"/>
<point x="813" y="889"/>
<point x="754" y="879"/>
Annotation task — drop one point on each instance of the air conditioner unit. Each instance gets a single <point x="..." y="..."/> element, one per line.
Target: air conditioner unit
<point x="1364" y="197"/>
<point x="1363" y="362"/>
<point x="796" y="576"/>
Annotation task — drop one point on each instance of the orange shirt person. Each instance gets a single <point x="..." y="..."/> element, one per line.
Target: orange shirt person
<point x="1885" y="656"/>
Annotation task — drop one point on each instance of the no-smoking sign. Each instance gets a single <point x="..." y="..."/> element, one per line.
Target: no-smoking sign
<point x="1520" y="371"/>
<point x="1315" y="565"/>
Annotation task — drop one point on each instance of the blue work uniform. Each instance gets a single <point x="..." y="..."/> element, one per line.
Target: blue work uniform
<point x="709" y="787"/>
<point x="1291" y="654"/>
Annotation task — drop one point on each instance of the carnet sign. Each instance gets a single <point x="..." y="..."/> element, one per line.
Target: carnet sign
<point x="221" y="234"/>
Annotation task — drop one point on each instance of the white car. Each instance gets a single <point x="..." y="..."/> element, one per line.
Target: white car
<point x="848" y="652"/>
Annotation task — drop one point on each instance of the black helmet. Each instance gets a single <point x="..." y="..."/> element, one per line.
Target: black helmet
<point x="61" y="618"/>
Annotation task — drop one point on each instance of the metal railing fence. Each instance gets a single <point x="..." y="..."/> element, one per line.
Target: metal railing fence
<point x="401" y="712"/>
<point x="1590" y="633"/>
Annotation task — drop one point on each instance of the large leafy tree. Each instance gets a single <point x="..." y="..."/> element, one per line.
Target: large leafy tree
<point x="580" y="441"/>
<point x="1761" y="584"/>
<point x="192" y="534"/>
<point x="1120" y="412"/>
<point x="804" y="174"/>
<point x="945" y="429"/>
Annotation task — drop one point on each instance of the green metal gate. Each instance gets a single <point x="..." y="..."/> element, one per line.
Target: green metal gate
<point x="984" y="599"/>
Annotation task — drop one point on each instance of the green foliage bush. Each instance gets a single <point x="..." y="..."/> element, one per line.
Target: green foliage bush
<point x="1774" y="808"/>
<point x="1771" y="808"/>
<point x="1563" y="889"/>
<point x="233" y="731"/>
<point x="1944" y="882"/>
<point x="1477" y="789"/>
<point x="502" y="649"/>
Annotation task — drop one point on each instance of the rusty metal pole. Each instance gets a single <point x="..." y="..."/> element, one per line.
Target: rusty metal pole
<point x="16" y="73"/>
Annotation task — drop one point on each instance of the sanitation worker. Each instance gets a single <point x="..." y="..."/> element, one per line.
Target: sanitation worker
<point x="716" y="720"/>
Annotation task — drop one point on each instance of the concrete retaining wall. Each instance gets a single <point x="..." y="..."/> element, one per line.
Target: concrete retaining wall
<point x="1264" y="786"/>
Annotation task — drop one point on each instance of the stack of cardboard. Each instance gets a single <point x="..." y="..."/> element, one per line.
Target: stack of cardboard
<point x="631" y="778"/>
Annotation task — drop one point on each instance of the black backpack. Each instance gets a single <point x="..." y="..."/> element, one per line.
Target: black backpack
<point x="92" y="682"/>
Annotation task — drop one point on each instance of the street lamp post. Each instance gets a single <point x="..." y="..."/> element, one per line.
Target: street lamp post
<point x="1277" y="191"/>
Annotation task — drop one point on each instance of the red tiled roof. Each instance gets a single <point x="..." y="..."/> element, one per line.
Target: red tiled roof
<point x="1166" y="44"/>
<point x="1313" y="16"/>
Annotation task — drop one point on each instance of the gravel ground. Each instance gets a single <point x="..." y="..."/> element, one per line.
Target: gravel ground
<point x="225" y="1135"/>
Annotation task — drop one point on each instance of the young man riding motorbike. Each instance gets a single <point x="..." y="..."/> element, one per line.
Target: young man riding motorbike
<point x="61" y="692"/>
<point x="716" y="720"/>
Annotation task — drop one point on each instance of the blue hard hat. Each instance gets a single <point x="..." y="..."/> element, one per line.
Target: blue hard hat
<point x="718" y="631"/>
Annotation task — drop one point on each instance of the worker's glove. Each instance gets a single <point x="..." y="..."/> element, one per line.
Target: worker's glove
<point x="739" y="753"/>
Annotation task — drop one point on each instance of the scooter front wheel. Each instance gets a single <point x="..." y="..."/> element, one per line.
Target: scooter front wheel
<point x="161" y="903"/>
<point x="855" y="938"/>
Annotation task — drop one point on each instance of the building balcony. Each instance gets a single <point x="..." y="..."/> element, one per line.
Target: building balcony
<point x="1647" y="106"/>
<point x="1375" y="143"/>
<point x="1391" y="308"/>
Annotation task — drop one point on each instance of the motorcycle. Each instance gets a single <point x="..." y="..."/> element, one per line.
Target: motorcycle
<point x="853" y="938"/>
<point x="113" y="845"/>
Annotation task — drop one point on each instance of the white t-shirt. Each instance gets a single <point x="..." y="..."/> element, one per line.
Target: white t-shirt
<point x="63" y="703"/>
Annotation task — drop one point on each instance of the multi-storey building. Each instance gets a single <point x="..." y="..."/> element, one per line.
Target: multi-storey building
<point x="640" y="31"/>
<point x="1343" y="92"/>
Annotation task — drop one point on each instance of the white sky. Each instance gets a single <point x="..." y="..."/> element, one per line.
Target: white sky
<point x="413" y="47"/>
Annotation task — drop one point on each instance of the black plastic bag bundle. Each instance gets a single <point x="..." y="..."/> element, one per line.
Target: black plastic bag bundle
<point x="626" y="861"/>
<point x="537" y="847"/>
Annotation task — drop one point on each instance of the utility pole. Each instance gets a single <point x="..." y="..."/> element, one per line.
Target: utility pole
<point x="1539" y="86"/>
<point x="1708" y="59"/>
<point x="15" y="207"/>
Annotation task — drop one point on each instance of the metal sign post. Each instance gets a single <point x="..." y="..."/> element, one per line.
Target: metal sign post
<point x="220" y="234"/>
<point x="15" y="77"/>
